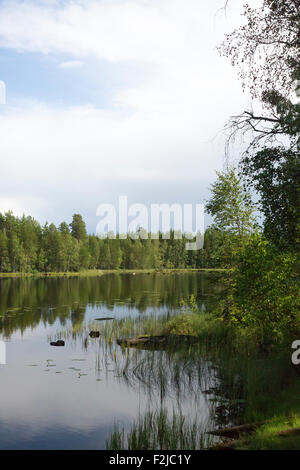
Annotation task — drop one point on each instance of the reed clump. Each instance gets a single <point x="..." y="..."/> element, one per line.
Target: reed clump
<point x="157" y="430"/>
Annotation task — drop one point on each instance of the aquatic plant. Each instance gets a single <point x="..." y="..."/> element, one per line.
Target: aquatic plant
<point x="156" y="430"/>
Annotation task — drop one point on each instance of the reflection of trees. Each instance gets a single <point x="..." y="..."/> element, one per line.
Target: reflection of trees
<point x="77" y="315"/>
<point x="49" y="299"/>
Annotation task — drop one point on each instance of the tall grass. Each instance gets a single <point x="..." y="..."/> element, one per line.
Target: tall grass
<point x="159" y="431"/>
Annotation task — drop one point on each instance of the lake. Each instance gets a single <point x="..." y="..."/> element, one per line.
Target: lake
<point x="71" y="397"/>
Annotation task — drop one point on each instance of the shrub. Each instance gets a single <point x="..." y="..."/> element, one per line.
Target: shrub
<point x="264" y="291"/>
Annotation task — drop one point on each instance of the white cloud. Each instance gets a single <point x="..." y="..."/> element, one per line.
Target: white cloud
<point x="155" y="31"/>
<point x="157" y="132"/>
<point x="70" y="64"/>
<point x="21" y="204"/>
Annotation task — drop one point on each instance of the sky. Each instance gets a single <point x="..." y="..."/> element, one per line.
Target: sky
<point x="106" y="98"/>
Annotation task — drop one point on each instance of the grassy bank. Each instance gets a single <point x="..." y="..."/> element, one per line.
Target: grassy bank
<point x="101" y="272"/>
<point x="282" y="431"/>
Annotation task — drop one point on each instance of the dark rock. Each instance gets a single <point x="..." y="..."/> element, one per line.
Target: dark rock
<point x="94" y="334"/>
<point x="59" y="342"/>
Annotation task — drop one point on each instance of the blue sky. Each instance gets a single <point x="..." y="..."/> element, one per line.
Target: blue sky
<point x="109" y="98"/>
<point x="59" y="81"/>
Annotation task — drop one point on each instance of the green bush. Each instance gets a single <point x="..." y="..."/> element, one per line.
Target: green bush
<point x="264" y="291"/>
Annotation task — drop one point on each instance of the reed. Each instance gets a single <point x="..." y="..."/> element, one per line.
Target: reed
<point x="157" y="430"/>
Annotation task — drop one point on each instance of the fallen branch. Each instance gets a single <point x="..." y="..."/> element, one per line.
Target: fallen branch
<point x="237" y="431"/>
<point x="288" y="432"/>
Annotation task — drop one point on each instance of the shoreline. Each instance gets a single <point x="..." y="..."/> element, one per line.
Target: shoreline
<point x="102" y="272"/>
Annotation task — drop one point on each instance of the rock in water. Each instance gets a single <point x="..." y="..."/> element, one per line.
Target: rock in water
<point x="94" y="334"/>
<point x="59" y="342"/>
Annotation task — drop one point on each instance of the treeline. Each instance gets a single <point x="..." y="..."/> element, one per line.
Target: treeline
<point x="26" y="246"/>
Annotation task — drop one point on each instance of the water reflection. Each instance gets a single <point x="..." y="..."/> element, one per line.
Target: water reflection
<point x="70" y="397"/>
<point x="28" y="302"/>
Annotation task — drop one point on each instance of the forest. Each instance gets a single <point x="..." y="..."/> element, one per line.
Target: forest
<point x="27" y="247"/>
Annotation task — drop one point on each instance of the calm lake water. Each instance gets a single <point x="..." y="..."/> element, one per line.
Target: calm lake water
<point x="70" y="397"/>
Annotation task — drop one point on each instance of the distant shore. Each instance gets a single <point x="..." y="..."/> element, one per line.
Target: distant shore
<point x="101" y="272"/>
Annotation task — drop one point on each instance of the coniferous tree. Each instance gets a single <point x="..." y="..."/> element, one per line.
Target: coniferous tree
<point x="78" y="228"/>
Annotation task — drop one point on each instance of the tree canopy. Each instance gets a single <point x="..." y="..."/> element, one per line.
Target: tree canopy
<point x="266" y="51"/>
